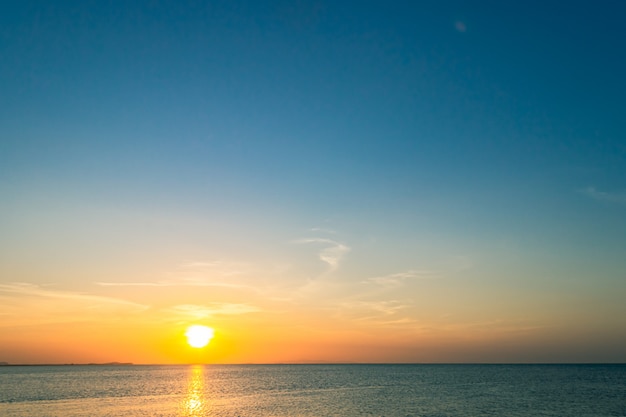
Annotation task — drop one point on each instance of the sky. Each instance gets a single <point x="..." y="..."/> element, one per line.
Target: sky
<point x="318" y="181"/>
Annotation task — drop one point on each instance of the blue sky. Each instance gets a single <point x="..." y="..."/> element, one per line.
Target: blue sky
<point x="420" y="136"/>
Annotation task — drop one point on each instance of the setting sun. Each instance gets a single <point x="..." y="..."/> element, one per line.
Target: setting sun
<point x="199" y="336"/>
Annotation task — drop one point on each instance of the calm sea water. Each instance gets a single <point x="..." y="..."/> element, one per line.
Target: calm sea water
<point x="314" y="390"/>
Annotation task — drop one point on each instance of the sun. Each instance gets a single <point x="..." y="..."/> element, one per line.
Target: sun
<point x="199" y="336"/>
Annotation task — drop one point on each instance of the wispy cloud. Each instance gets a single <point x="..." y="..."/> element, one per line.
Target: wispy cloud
<point x="201" y="264"/>
<point x="618" y="197"/>
<point x="216" y="267"/>
<point x="395" y="313"/>
<point x="331" y="254"/>
<point x="28" y="289"/>
<point x="30" y="304"/>
<point x="197" y="274"/>
<point x="399" y="278"/>
<point x="384" y="307"/>
<point x="133" y="284"/>
<point x="214" y="309"/>
<point x="322" y="230"/>
<point x="497" y="326"/>
<point x="188" y="282"/>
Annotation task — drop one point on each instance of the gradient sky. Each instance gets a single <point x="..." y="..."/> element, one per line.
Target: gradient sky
<point x="325" y="181"/>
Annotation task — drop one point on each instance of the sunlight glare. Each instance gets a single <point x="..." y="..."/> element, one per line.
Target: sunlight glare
<point x="199" y="336"/>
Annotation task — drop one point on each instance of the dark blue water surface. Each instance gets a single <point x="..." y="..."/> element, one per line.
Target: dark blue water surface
<point x="314" y="390"/>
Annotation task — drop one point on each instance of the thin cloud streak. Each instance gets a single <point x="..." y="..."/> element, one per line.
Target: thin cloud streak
<point x="28" y="289"/>
<point x="611" y="197"/>
<point x="382" y="313"/>
<point x="385" y="307"/>
<point x="399" y="278"/>
<point x="196" y="274"/>
<point x="26" y="304"/>
<point x="180" y="283"/>
<point x="332" y="254"/>
<point x="133" y="284"/>
<point x="214" y="309"/>
<point x="322" y="230"/>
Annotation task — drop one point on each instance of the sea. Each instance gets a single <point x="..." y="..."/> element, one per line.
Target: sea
<point x="313" y="390"/>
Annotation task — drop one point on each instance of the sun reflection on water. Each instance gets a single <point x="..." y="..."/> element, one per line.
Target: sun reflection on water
<point x="195" y="403"/>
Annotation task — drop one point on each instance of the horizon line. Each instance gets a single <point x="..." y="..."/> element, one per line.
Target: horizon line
<point x="306" y="363"/>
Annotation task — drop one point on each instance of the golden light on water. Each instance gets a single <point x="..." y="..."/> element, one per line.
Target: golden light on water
<point x="195" y="403"/>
